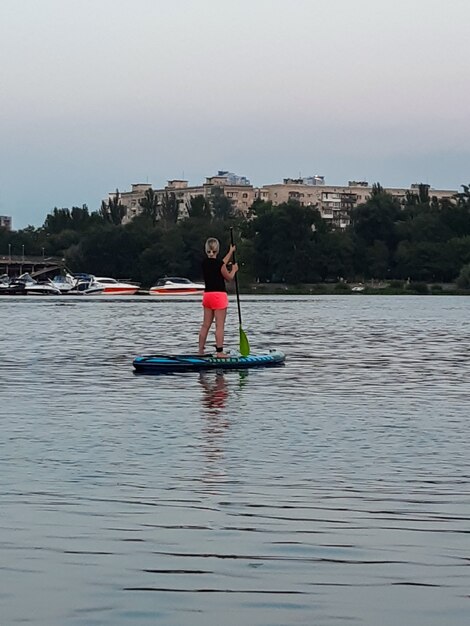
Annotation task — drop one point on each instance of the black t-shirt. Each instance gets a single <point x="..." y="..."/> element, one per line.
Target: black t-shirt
<point x="213" y="279"/>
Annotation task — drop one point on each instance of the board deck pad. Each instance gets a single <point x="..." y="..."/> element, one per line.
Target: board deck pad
<point x="181" y="362"/>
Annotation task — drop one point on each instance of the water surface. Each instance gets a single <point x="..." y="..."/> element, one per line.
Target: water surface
<point x="334" y="490"/>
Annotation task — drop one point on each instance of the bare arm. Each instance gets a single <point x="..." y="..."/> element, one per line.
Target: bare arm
<point x="228" y="256"/>
<point x="229" y="275"/>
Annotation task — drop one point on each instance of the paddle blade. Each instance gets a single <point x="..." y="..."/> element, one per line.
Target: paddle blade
<point x="244" y="344"/>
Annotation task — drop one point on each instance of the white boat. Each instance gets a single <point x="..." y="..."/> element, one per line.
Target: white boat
<point x="176" y="286"/>
<point x="64" y="282"/>
<point x="35" y="288"/>
<point x="11" y="286"/>
<point x="85" y="285"/>
<point x="113" y="287"/>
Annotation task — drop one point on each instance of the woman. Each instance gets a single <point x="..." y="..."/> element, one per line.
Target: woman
<point x="215" y="299"/>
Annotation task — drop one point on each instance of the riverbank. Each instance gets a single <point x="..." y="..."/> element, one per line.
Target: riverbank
<point x="392" y="288"/>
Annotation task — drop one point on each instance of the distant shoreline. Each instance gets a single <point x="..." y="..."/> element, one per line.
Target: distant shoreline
<point x="376" y="288"/>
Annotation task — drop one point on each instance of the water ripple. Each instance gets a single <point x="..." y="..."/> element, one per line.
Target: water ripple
<point x="333" y="490"/>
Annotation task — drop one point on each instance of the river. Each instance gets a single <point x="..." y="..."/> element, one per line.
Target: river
<point x="332" y="490"/>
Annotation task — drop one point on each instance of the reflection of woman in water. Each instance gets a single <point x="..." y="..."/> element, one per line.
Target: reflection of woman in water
<point x="215" y="391"/>
<point x="216" y="421"/>
<point x="214" y="398"/>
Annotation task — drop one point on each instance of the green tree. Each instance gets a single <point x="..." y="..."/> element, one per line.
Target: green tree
<point x="378" y="256"/>
<point x="58" y="220"/>
<point x="60" y="243"/>
<point x="456" y="214"/>
<point x="418" y="197"/>
<point x="113" y="211"/>
<point x="165" y="257"/>
<point x="425" y="261"/>
<point x="333" y="255"/>
<point x="373" y="222"/>
<point x="109" y="251"/>
<point x="463" y="198"/>
<point x="284" y="244"/>
<point x="199" y="208"/>
<point x="222" y="207"/>
<point x="169" y="209"/>
<point x="150" y="206"/>
<point x="80" y="218"/>
<point x="375" y="219"/>
<point x="463" y="280"/>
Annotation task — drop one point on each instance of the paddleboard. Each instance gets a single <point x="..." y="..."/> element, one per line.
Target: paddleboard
<point x="187" y="362"/>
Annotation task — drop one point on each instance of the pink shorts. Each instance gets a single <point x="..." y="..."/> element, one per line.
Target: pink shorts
<point x="215" y="300"/>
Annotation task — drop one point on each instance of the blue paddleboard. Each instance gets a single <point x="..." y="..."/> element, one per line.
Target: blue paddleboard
<point x="185" y="362"/>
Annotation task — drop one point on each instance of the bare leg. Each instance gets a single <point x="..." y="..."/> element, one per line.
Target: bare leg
<point x="206" y="324"/>
<point x="220" y="315"/>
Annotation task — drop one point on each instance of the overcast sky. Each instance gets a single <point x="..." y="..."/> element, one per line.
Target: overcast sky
<point x="99" y="94"/>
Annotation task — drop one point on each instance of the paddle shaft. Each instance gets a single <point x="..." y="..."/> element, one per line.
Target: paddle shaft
<point x="236" y="283"/>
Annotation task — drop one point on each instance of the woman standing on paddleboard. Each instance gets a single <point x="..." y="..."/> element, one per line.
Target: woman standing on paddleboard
<point x="215" y="299"/>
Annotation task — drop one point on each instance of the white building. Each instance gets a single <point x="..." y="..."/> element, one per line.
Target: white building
<point x="5" y="222"/>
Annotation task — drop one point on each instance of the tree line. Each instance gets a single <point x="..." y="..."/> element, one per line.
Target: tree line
<point x="420" y="238"/>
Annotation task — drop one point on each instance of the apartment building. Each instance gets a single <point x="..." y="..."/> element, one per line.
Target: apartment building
<point x="5" y="222"/>
<point x="334" y="203"/>
<point x="237" y="188"/>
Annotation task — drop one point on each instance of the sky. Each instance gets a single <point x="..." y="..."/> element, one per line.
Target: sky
<point x="96" y="95"/>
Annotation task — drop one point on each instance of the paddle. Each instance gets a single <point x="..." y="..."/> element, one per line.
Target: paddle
<point x="244" y="344"/>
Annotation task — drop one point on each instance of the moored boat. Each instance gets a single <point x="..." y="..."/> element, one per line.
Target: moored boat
<point x="64" y="282"/>
<point x="113" y="287"/>
<point x="11" y="286"/>
<point x="36" y="288"/>
<point x="176" y="286"/>
<point x="85" y="285"/>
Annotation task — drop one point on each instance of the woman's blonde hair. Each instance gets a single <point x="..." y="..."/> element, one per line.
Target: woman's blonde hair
<point x="212" y="244"/>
